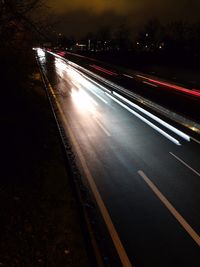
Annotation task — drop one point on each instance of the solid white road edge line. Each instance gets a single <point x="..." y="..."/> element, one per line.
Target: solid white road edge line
<point x="172" y="139"/>
<point x="171" y="208"/>
<point x="165" y="124"/>
<point x="184" y="163"/>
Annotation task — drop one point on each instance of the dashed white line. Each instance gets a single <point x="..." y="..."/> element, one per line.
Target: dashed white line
<point x="129" y="76"/>
<point x="101" y="98"/>
<point x="184" y="163"/>
<point x="141" y="76"/>
<point x="195" y="140"/>
<point x="171" y="208"/>
<point x="102" y="127"/>
<point x="154" y="85"/>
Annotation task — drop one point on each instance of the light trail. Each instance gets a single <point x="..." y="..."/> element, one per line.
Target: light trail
<point x="104" y="212"/>
<point x="152" y="105"/>
<point x="172" y="139"/>
<point x="165" y="124"/>
<point x="61" y="53"/>
<point x="109" y="72"/>
<point x="193" y="92"/>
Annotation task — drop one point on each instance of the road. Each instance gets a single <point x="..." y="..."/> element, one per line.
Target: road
<point x="183" y="99"/>
<point x="145" y="178"/>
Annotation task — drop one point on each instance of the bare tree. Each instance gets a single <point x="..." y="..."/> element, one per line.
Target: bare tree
<point x="17" y="23"/>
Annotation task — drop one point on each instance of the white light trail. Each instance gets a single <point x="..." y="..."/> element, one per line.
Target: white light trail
<point x="165" y="124"/>
<point x="172" y="139"/>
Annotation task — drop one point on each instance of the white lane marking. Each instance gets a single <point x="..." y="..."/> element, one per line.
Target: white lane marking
<point x="141" y="76"/>
<point x="97" y="84"/>
<point x="75" y="84"/>
<point x="184" y="163"/>
<point x="68" y="63"/>
<point x="105" y="214"/>
<point x="101" y="126"/>
<point x="101" y="98"/>
<point x="172" y="139"/>
<point x="171" y="208"/>
<point x="195" y="140"/>
<point x="150" y="84"/>
<point x="165" y="124"/>
<point x="126" y="75"/>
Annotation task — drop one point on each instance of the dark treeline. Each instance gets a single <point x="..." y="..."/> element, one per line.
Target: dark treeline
<point x="18" y="33"/>
<point x="177" y="36"/>
<point x="176" y="41"/>
<point x="22" y="25"/>
<point x="16" y="27"/>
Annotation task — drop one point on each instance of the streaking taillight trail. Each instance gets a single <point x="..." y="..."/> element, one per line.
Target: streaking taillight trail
<point x="193" y="92"/>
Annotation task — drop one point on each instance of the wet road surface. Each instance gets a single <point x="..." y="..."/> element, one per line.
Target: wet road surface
<point x="146" y="184"/>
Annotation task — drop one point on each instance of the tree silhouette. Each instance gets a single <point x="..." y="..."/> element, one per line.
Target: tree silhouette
<point x="17" y="23"/>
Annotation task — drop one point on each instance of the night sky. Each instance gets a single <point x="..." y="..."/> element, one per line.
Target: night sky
<point x="78" y="17"/>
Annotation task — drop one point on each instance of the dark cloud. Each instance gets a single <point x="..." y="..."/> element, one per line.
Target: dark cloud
<point x="79" y="23"/>
<point x="93" y="6"/>
<point x="81" y="16"/>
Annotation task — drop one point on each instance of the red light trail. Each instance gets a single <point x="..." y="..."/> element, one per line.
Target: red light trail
<point x="192" y="92"/>
<point x="109" y="72"/>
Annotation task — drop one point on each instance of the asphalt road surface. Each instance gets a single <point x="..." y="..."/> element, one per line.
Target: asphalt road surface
<point x="183" y="99"/>
<point x="144" y="177"/>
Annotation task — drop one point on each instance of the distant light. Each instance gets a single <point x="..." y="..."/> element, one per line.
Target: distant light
<point x="60" y="65"/>
<point x="40" y="52"/>
<point x="193" y="128"/>
<point x="61" y="53"/>
<point x="147" y="34"/>
<point x="81" y="45"/>
<point x="138" y="43"/>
